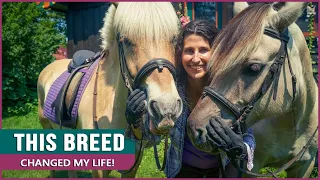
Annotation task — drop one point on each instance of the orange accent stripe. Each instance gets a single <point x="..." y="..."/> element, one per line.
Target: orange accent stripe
<point x="306" y="34"/>
<point x="193" y="12"/>
<point x="216" y="16"/>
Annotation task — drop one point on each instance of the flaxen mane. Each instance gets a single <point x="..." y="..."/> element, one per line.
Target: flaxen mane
<point x="151" y="23"/>
<point x="239" y="38"/>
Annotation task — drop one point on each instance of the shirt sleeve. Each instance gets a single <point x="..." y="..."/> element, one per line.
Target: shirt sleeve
<point x="250" y="143"/>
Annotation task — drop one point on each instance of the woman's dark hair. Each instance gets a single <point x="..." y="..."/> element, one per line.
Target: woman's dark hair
<point x="203" y="28"/>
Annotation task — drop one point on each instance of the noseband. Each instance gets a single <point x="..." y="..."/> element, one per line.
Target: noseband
<point x="272" y="77"/>
<point x="135" y="82"/>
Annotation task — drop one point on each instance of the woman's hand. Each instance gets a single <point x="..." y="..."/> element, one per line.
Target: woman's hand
<point x="222" y="136"/>
<point x="135" y="107"/>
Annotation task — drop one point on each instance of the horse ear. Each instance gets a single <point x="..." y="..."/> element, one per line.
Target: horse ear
<point x="115" y="4"/>
<point x="287" y="15"/>
<point x="278" y="5"/>
<point x="238" y="7"/>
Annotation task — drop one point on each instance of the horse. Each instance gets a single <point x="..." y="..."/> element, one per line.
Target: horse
<point x="261" y="77"/>
<point x="138" y="42"/>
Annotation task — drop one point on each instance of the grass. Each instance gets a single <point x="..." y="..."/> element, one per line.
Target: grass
<point x="147" y="169"/>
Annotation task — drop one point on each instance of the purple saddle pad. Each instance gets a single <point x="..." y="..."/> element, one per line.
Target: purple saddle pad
<point x="49" y="108"/>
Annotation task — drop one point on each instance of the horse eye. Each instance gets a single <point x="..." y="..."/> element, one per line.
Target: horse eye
<point x="256" y="67"/>
<point x="253" y="69"/>
<point x="127" y="42"/>
<point x="174" y="40"/>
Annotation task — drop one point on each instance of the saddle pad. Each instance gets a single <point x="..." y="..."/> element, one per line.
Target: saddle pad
<point x="49" y="109"/>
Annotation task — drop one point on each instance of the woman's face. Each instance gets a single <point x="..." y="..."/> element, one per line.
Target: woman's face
<point x="195" y="56"/>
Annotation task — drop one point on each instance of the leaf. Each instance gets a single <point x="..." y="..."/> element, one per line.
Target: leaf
<point x="30" y="36"/>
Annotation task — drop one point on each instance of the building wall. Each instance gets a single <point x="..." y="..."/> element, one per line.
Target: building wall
<point x="84" y="20"/>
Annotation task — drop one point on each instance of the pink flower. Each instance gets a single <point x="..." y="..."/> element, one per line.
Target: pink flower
<point x="184" y="20"/>
<point x="61" y="53"/>
<point x="178" y="12"/>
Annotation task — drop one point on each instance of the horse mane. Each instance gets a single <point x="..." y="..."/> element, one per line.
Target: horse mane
<point x="140" y="21"/>
<point x="107" y="32"/>
<point x="239" y="38"/>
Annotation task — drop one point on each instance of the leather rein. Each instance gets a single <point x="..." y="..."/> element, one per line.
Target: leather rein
<point x="132" y="83"/>
<point x="271" y="78"/>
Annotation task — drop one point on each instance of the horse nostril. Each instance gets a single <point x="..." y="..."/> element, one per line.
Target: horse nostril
<point x="154" y="108"/>
<point x="178" y="107"/>
<point x="201" y="138"/>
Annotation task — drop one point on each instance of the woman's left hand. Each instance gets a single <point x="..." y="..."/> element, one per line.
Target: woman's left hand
<point x="222" y="136"/>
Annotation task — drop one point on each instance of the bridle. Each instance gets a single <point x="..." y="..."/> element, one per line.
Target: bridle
<point x="132" y="83"/>
<point x="135" y="82"/>
<point x="272" y="78"/>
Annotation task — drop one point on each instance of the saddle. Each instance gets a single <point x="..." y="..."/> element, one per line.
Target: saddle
<point x="64" y="107"/>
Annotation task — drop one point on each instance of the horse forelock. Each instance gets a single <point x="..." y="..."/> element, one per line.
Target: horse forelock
<point x="239" y="39"/>
<point x="140" y="22"/>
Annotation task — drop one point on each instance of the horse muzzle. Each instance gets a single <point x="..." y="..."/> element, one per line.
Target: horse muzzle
<point x="155" y="129"/>
<point x="164" y="112"/>
<point x="163" y="126"/>
<point x="199" y="138"/>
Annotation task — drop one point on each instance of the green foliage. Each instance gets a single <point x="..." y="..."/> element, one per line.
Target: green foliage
<point x="311" y="38"/>
<point x="30" y="36"/>
<point x="282" y="174"/>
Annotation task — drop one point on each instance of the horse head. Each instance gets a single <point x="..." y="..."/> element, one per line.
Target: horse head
<point x="142" y="36"/>
<point x="251" y="77"/>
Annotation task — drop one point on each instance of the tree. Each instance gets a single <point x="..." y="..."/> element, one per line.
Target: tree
<point x="30" y="35"/>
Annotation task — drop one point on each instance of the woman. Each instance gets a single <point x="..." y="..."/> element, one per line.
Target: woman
<point x="193" y="52"/>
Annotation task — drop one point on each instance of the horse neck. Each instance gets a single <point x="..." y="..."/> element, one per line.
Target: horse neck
<point x="111" y="73"/>
<point x="307" y="91"/>
<point x="112" y="89"/>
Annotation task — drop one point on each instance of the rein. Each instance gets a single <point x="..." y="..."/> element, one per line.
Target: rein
<point x="164" y="155"/>
<point x="272" y="78"/>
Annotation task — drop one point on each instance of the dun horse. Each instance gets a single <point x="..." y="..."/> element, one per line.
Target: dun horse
<point x="133" y="35"/>
<point x="262" y="77"/>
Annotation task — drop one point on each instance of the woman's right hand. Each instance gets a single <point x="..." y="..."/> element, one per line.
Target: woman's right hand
<point x="136" y="107"/>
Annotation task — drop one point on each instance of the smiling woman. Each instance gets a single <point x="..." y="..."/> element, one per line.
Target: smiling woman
<point x="193" y="51"/>
<point x="195" y="56"/>
<point x="261" y="77"/>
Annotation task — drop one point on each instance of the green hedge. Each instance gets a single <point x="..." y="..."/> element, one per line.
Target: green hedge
<point x="31" y="35"/>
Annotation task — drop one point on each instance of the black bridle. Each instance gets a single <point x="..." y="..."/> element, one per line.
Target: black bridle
<point x="134" y="82"/>
<point x="271" y="78"/>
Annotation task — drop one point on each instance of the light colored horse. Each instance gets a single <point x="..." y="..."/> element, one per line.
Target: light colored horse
<point x="149" y="31"/>
<point x="239" y="65"/>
